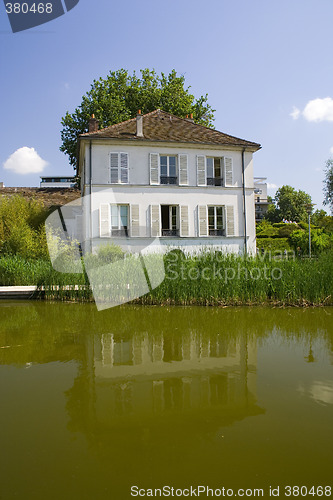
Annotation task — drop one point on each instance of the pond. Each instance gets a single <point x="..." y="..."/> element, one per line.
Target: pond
<point x="94" y="403"/>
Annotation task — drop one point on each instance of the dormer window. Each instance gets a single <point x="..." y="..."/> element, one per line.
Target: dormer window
<point x="168" y="169"/>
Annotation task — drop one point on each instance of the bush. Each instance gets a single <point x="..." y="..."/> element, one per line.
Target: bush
<point x="287" y="229"/>
<point x="273" y="244"/>
<point x="22" y="227"/>
<point x="110" y="253"/>
<point x="266" y="230"/>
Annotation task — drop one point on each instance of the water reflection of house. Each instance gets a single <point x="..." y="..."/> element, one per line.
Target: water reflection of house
<point x="145" y="376"/>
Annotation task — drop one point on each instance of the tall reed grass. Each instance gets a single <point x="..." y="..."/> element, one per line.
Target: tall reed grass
<point x="203" y="279"/>
<point x="215" y="279"/>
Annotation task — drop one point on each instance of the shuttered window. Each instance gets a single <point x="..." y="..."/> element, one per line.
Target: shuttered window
<point x="214" y="171"/>
<point x="135" y="221"/>
<point x="154" y="168"/>
<point x="183" y="169"/>
<point x="119" y="168"/>
<point x="184" y="228"/>
<point x="119" y="220"/>
<point x="216" y="221"/>
<point x="104" y="221"/>
<point x="228" y="171"/>
<point x="201" y="170"/>
<point x="230" y="220"/>
<point x="155" y="220"/>
<point x="202" y="220"/>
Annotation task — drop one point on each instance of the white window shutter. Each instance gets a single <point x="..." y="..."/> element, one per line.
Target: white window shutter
<point x="114" y="163"/>
<point x="124" y="168"/>
<point x="104" y="221"/>
<point x="183" y="169"/>
<point x="184" y="220"/>
<point x="154" y="168"/>
<point x="230" y="220"/>
<point x="228" y="171"/>
<point x="155" y="220"/>
<point x="135" y="221"/>
<point x="201" y="170"/>
<point x="202" y="220"/>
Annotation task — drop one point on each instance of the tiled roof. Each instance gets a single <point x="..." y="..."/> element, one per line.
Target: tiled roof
<point x="161" y="126"/>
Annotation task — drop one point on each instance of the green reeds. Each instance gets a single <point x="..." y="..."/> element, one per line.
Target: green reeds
<point x="208" y="278"/>
<point x="216" y="279"/>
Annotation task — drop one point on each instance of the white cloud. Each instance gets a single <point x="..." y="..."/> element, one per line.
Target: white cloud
<point x="295" y="113"/>
<point x="319" y="110"/>
<point x="316" y="110"/>
<point x="25" y="161"/>
<point x="271" y="186"/>
<point x="331" y="150"/>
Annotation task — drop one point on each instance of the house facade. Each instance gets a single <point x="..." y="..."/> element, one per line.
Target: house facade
<point x="161" y="177"/>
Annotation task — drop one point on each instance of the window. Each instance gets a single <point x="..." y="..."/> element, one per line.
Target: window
<point x="119" y="220"/>
<point x="170" y="218"/>
<point x="216" y="221"/>
<point x="168" y="169"/>
<point x="119" y="168"/>
<point x="214" y="171"/>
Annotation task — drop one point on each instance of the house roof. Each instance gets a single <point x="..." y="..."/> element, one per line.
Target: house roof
<point x="161" y="126"/>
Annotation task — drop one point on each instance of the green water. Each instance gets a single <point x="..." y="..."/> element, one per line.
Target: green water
<point x="94" y="403"/>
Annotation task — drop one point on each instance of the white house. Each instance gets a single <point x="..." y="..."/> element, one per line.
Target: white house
<point x="158" y="175"/>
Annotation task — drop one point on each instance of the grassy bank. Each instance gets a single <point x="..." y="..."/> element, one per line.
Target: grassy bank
<point x="205" y="279"/>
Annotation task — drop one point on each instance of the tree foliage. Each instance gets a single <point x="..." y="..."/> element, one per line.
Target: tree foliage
<point x="120" y="95"/>
<point x="22" y="227"/>
<point x="328" y="184"/>
<point x="289" y="204"/>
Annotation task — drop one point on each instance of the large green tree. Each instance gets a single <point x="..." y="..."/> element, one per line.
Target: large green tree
<point x="289" y="204"/>
<point x="328" y="184"/>
<point x="120" y="95"/>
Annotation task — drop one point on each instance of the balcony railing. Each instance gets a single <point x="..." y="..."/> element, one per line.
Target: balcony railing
<point x="216" y="232"/>
<point x="214" y="181"/>
<point x="120" y="232"/>
<point x="170" y="232"/>
<point x="168" y="180"/>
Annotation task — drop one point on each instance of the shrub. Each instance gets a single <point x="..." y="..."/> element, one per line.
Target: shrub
<point x="22" y="227"/>
<point x="110" y="253"/>
<point x="273" y="244"/>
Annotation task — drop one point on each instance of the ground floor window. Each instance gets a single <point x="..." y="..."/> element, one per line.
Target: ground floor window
<point x="170" y="220"/>
<point x="216" y="221"/>
<point x="119" y="220"/>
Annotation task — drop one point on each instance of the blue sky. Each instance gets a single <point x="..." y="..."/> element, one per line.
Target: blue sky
<point x="266" y="66"/>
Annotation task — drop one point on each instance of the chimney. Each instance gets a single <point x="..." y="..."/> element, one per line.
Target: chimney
<point x="93" y="124"/>
<point x="189" y="119"/>
<point x="139" y="124"/>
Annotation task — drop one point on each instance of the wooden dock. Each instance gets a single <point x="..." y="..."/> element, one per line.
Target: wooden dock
<point x="17" y="292"/>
